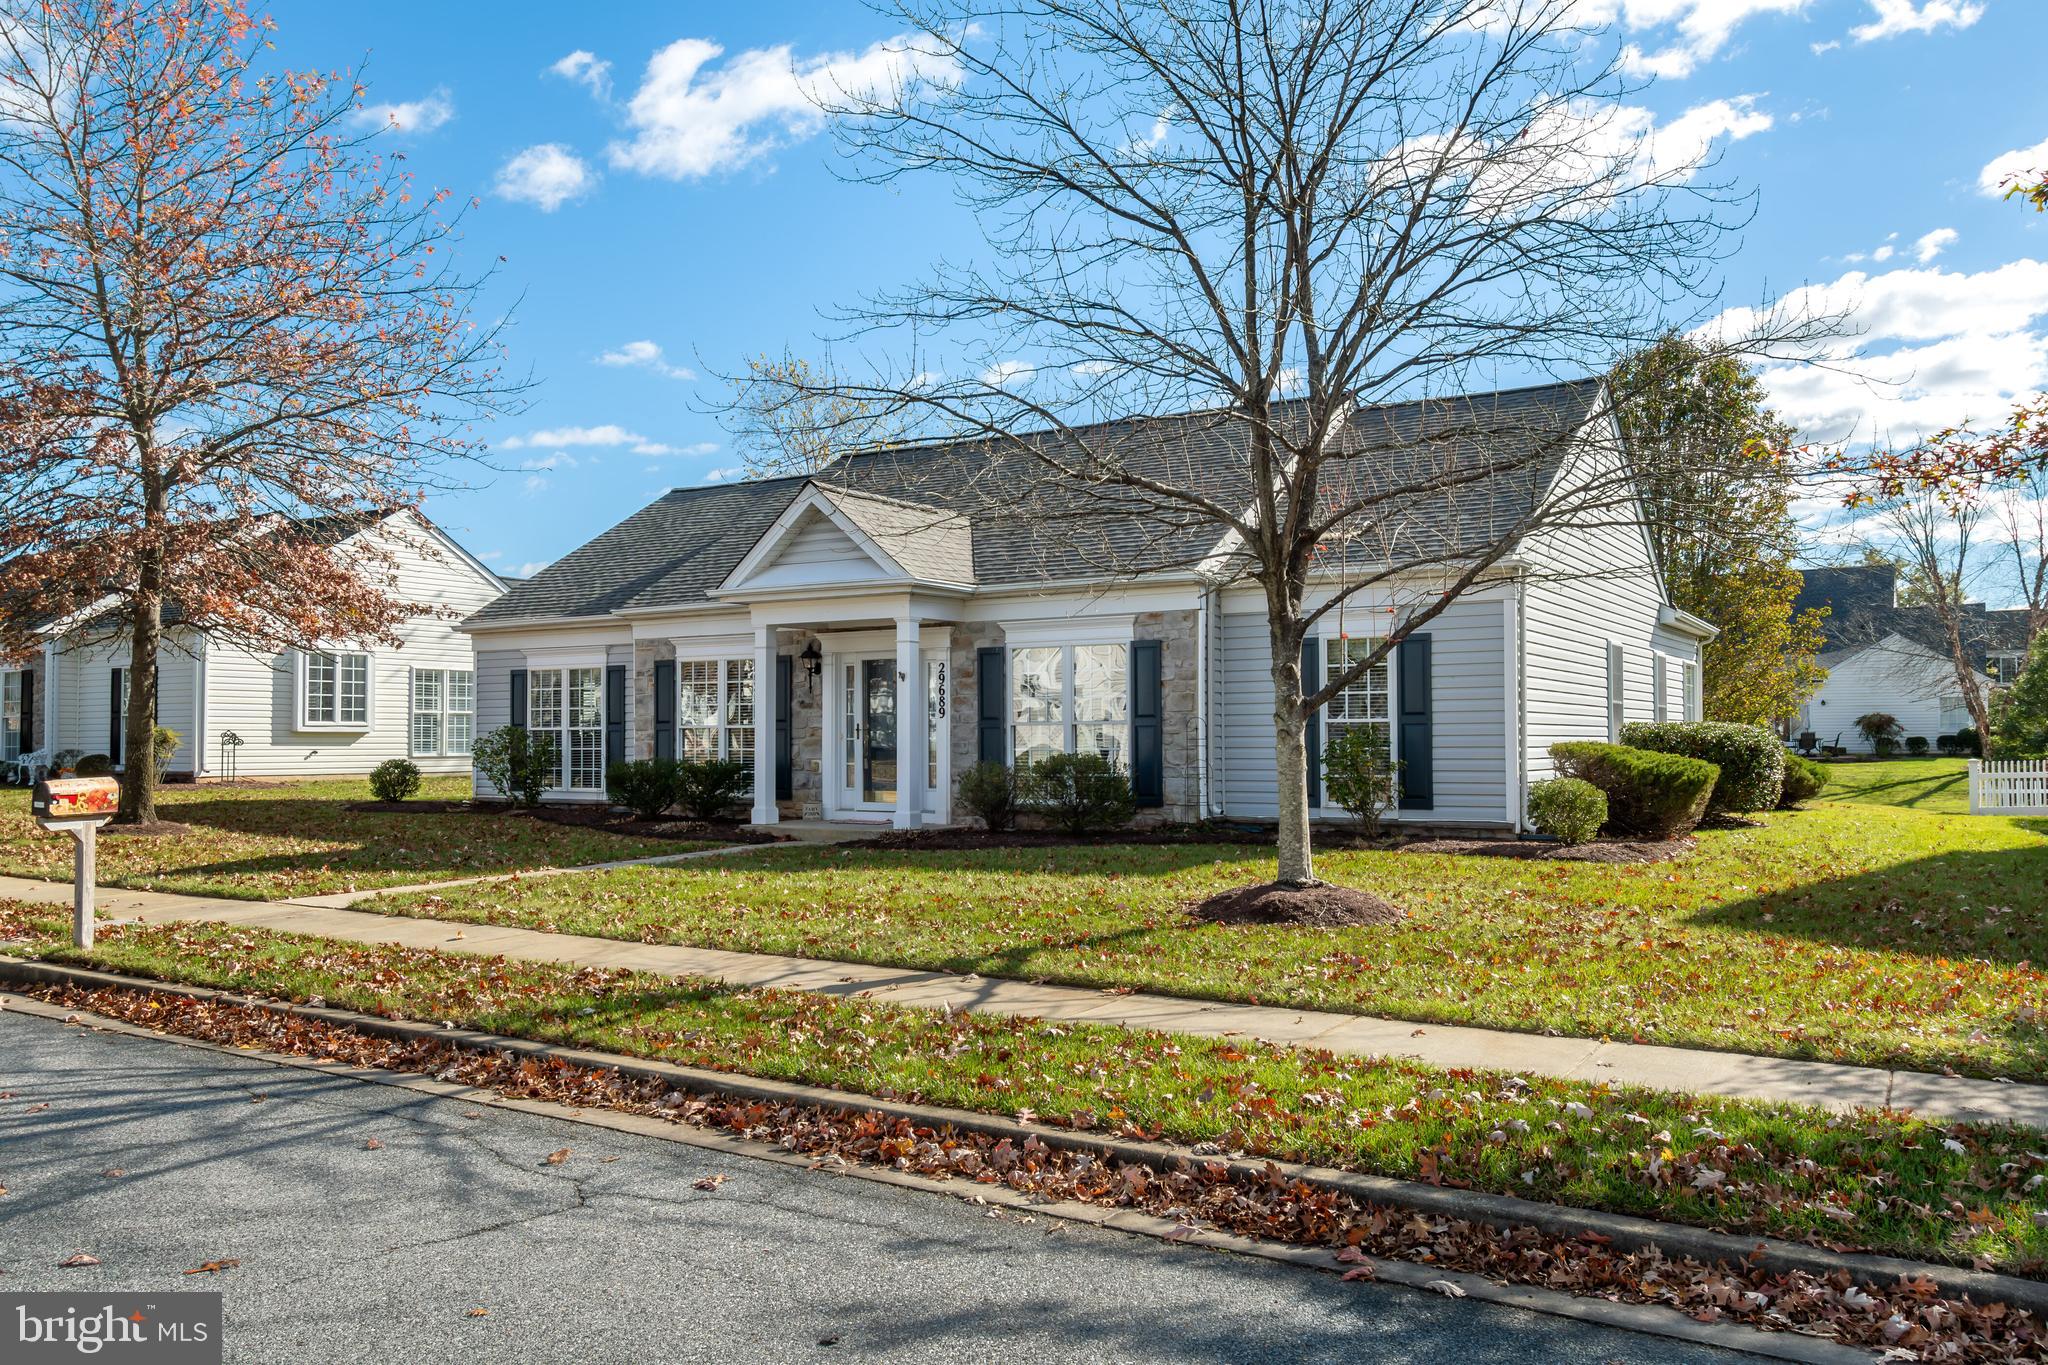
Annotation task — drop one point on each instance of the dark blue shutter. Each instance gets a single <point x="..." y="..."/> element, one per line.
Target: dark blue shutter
<point x="614" y="714"/>
<point x="115" y="698"/>
<point x="665" y="708"/>
<point x="992" y="725"/>
<point x="518" y="720"/>
<point x="1418" y="741"/>
<point x="1148" y="756"/>
<point x="1312" y="737"/>
<point x="28" y="712"/>
<point x="785" y="721"/>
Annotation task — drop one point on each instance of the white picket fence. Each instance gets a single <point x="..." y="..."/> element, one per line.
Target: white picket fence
<point x="2009" y="786"/>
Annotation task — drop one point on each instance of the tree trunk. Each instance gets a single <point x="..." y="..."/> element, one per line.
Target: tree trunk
<point x="1290" y="762"/>
<point x="138" y="730"/>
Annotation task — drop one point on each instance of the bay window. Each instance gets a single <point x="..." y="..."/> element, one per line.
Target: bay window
<point x="715" y="709"/>
<point x="334" y="690"/>
<point x="568" y="703"/>
<point x="443" y="712"/>
<point x="1070" y="699"/>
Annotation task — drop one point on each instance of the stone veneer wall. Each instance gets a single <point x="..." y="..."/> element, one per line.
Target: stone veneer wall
<point x="807" y="732"/>
<point x="1179" y="633"/>
<point x="640" y="743"/>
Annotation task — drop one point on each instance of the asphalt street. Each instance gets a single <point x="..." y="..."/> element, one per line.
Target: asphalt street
<point x="354" y="1252"/>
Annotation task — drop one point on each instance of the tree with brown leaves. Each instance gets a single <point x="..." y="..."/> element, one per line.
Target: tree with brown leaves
<point x="224" y="321"/>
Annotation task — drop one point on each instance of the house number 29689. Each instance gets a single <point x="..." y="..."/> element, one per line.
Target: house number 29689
<point x="942" y="692"/>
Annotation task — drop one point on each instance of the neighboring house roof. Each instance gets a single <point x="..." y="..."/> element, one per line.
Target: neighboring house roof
<point x="1863" y="610"/>
<point x="1007" y="518"/>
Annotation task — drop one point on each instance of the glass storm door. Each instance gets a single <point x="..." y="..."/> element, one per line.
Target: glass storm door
<point x="878" y="730"/>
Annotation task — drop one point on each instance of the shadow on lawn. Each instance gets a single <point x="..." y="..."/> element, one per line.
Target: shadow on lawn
<point x="1990" y="904"/>
<point x="1067" y="860"/>
<point x="1943" y="787"/>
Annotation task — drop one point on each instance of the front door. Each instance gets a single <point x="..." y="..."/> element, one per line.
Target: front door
<point x="878" y="728"/>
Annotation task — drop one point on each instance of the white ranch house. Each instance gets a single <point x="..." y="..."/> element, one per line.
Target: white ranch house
<point x="295" y="712"/>
<point x="862" y="636"/>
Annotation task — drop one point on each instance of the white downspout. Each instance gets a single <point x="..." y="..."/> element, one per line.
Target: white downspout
<point x="1202" y="784"/>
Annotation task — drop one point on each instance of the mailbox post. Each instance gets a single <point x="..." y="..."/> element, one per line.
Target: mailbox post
<point x="78" y="806"/>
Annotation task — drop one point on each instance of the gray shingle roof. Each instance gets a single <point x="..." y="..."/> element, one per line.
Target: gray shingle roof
<point x="1862" y="610"/>
<point x="1014" y="520"/>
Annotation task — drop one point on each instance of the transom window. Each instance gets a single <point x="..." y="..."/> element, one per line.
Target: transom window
<point x="337" y="689"/>
<point x="715" y="709"/>
<point x="443" y="711"/>
<point x="1366" y="703"/>
<point x="1070" y="699"/>
<point x="568" y="703"/>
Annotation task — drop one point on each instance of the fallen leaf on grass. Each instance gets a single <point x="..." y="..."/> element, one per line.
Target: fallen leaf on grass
<point x="710" y="1182"/>
<point x="558" y="1156"/>
<point x="82" y="1258"/>
<point x="1445" y="1288"/>
<point x="1366" y="1272"/>
<point x="477" y="1313"/>
<point x="213" y="1267"/>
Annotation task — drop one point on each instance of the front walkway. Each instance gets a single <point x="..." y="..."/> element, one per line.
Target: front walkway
<point x="1735" y="1075"/>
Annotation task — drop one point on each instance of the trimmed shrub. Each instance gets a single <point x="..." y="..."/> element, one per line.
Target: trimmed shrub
<point x="644" y="786"/>
<point x="163" y="747"/>
<point x="395" y="779"/>
<point x="1916" y="745"/>
<point x="516" y="761"/>
<point x="993" y="792"/>
<point x="1358" y="777"/>
<point x="1649" y="794"/>
<point x="94" y="765"/>
<point x="1751" y="760"/>
<point x="1569" y="810"/>
<point x="709" y="787"/>
<point x="1081" y="793"/>
<point x="1804" y="780"/>
<point x="1967" y="742"/>
<point x="1947" y="744"/>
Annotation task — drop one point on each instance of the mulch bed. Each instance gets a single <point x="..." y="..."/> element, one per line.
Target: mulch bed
<point x="1599" y="851"/>
<point x="934" y="840"/>
<point x="584" y="817"/>
<point x="413" y="807"/>
<point x="1320" y="906"/>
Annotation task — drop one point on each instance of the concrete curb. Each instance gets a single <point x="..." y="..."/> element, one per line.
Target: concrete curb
<point x="1624" y="1231"/>
<point x="1654" y="1320"/>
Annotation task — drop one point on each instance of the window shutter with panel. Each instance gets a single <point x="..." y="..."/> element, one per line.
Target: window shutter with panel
<point x="518" y="720"/>
<point x="1418" y="723"/>
<point x="116" y="704"/>
<point x="665" y="708"/>
<point x="614" y="714"/>
<point x="1148" y="757"/>
<point x="28" y="712"/>
<point x="993" y="717"/>
<point x="1617" y="714"/>
<point x="785" y="718"/>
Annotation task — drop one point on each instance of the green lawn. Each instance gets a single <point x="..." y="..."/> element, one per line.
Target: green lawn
<point x="1941" y="785"/>
<point x="1848" y="932"/>
<point x="1881" y="1181"/>
<point x="297" y="839"/>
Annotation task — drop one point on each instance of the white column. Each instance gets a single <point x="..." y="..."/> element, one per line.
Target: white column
<point x="910" y="723"/>
<point x="765" y="812"/>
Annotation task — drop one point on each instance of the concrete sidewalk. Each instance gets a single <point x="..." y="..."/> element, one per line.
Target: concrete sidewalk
<point x="1735" y="1075"/>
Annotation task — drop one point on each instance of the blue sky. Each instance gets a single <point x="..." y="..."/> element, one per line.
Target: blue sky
<point x="651" y="252"/>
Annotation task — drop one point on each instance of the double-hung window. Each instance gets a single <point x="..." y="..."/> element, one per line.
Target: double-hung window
<point x="13" y="723"/>
<point x="715" y="709"/>
<point x="568" y="703"/>
<point x="335" y="691"/>
<point x="1070" y="699"/>
<point x="443" y="711"/>
<point x="1366" y="703"/>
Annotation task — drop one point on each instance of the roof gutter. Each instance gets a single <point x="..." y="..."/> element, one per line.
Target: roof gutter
<point x="1685" y="623"/>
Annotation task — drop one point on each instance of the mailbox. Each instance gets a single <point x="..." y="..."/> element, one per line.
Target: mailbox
<point x="75" y="798"/>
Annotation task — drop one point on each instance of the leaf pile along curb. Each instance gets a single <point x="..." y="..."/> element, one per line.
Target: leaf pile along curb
<point x="1910" y="1317"/>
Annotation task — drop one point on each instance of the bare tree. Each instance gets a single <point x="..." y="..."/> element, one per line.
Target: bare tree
<point x="792" y="416"/>
<point x="239" y="325"/>
<point x="2022" y="505"/>
<point x="1283" y="214"/>
<point x="1933" y="535"/>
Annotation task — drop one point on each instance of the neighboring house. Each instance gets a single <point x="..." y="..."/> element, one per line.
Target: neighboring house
<point x="295" y="712"/>
<point x="862" y="636"/>
<point x="1883" y="657"/>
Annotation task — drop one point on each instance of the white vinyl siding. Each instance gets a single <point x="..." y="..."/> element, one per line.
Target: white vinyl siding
<point x="1909" y="682"/>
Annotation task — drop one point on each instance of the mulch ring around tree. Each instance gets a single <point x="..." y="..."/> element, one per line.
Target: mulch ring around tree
<point x="585" y="817"/>
<point x="1317" y="906"/>
<point x="1599" y="851"/>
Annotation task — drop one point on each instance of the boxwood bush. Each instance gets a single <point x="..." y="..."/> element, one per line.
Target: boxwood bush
<point x="1804" y="780"/>
<point x="1649" y="794"/>
<point x="1081" y="793"/>
<point x="395" y="779"/>
<point x="709" y="787"/>
<point x="644" y="786"/>
<point x="1568" y="810"/>
<point x="1751" y="760"/>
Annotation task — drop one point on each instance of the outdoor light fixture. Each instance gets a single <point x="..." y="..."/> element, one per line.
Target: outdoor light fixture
<point x="814" y="661"/>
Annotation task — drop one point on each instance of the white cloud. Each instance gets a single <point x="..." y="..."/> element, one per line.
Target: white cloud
<point x="1934" y="348"/>
<point x="535" y="484"/>
<point x="408" y="116"/>
<point x="1685" y="33"/>
<point x="645" y="355"/>
<point x="689" y="122"/>
<point x="555" y="460"/>
<point x="1884" y="253"/>
<point x="1822" y="49"/>
<point x="1905" y="16"/>
<point x="586" y="70"/>
<point x="700" y="448"/>
<point x="2003" y="169"/>
<point x="1006" y="372"/>
<point x="723" y="475"/>
<point x="531" y="567"/>
<point x="608" y="435"/>
<point x="547" y="176"/>
<point x="1927" y="247"/>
